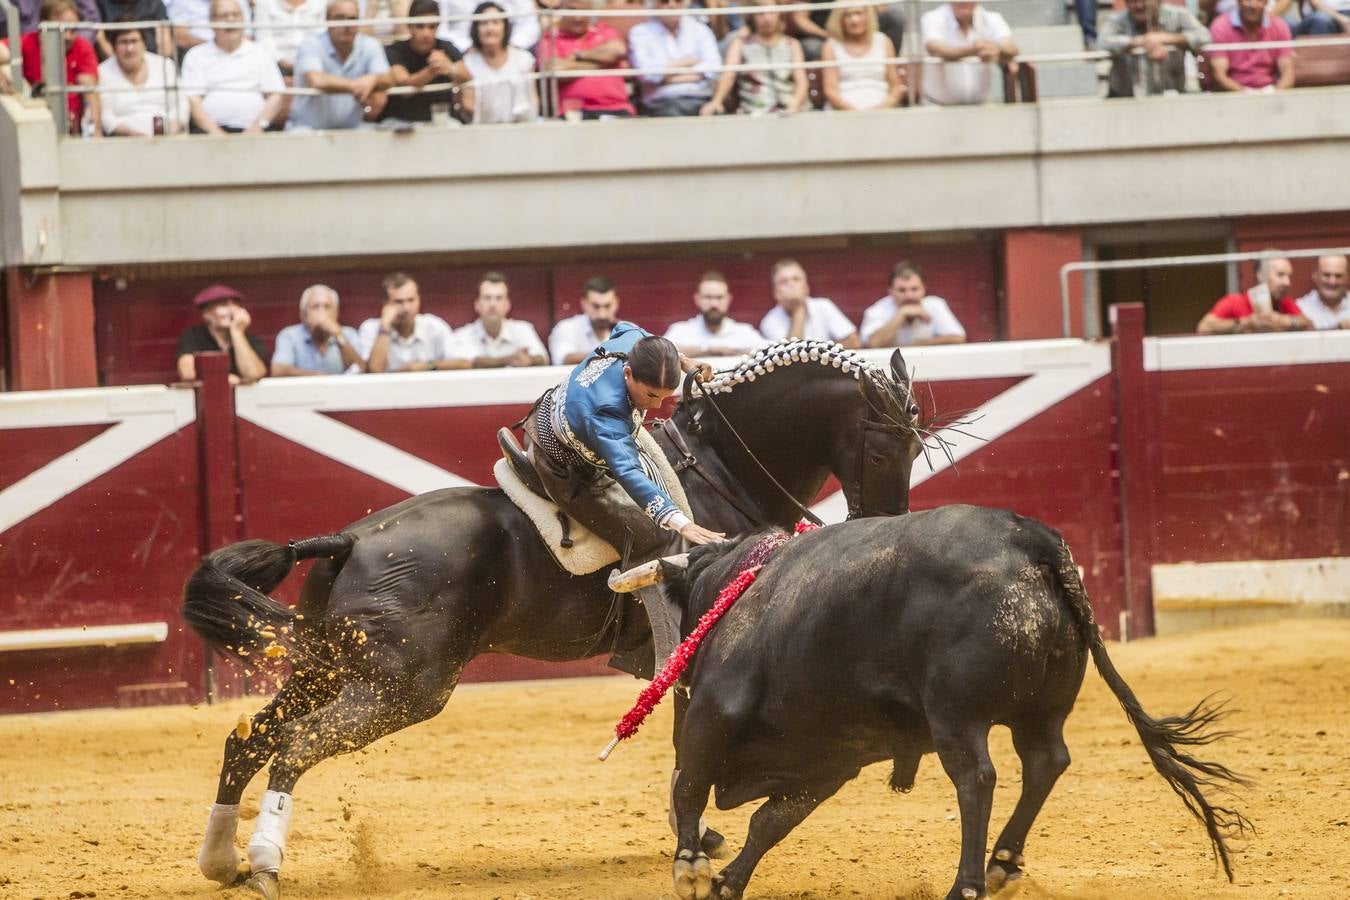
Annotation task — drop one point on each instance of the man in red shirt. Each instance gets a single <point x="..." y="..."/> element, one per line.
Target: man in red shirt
<point x="81" y="62"/>
<point x="586" y="44"/>
<point x="1265" y="69"/>
<point x="1266" y="307"/>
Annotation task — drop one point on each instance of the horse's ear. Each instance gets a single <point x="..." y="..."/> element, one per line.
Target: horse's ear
<point x="898" y="368"/>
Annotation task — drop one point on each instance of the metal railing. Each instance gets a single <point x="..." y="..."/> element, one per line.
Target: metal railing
<point x="1091" y="326"/>
<point x="551" y="77"/>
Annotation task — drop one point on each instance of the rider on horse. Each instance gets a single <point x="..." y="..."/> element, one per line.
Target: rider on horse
<point x="581" y="441"/>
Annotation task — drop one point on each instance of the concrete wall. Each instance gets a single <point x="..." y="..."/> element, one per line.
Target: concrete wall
<point x="1061" y="163"/>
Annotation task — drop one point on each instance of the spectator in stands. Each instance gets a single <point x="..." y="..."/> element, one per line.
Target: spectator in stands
<point x="6" y="80"/>
<point x="501" y="88"/>
<point x="767" y="90"/>
<point x="232" y="84"/>
<point x="224" y="327"/>
<point x="971" y="40"/>
<point x="575" y="337"/>
<point x="909" y="316"/>
<point x="318" y="344"/>
<point x="81" y="64"/>
<point x="1266" y="69"/>
<point x="799" y="315"/>
<point x="283" y="43"/>
<point x="350" y="68"/>
<point x="30" y="14"/>
<point x="134" y="11"/>
<point x="145" y="87"/>
<point x="403" y="338"/>
<point x="492" y="340"/>
<point x="854" y="37"/>
<point x="712" y="332"/>
<point x="1323" y="17"/>
<point x="524" y="23"/>
<point x="190" y="18"/>
<point x="1326" y="305"/>
<point x="1267" y="306"/>
<point x="586" y="44"/>
<point x="421" y="60"/>
<point x="812" y="26"/>
<point x="1163" y="32"/>
<point x="674" y="42"/>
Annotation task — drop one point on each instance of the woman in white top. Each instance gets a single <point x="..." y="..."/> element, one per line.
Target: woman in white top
<point x="282" y="43"/>
<point x="144" y="86"/>
<point x="499" y="86"/>
<point x="854" y="40"/>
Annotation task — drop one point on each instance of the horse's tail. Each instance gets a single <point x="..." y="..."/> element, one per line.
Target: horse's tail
<point x="226" y="599"/>
<point x="1169" y="740"/>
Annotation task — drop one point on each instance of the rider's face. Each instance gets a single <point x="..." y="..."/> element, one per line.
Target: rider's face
<point x="644" y="396"/>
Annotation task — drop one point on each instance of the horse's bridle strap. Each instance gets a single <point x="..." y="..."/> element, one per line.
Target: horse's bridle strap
<point x="688" y="461"/>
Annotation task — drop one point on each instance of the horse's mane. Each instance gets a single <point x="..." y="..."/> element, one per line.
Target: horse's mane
<point x="785" y="353"/>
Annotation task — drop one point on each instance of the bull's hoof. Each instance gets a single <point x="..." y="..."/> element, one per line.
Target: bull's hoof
<point x="1005" y="871"/>
<point x="724" y="891"/>
<point x="264" y="884"/>
<point x="714" y="844"/>
<point x="693" y="877"/>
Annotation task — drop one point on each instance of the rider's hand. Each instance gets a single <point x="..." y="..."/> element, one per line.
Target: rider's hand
<point x="697" y="534"/>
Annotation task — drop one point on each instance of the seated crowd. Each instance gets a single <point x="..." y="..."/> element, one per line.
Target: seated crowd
<point x="403" y="338"/>
<point x="1270" y="304"/>
<point x="234" y="73"/>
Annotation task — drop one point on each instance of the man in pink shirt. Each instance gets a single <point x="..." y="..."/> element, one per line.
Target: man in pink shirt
<point x="583" y="43"/>
<point x="1265" y="69"/>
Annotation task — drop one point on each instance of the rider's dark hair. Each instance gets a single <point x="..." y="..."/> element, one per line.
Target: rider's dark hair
<point x="654" y="360"/>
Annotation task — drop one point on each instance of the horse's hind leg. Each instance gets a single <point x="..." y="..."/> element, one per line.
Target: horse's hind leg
<point x="1040" y="746"/>
<point x="363" y="712"/>
<point x="246" y="752"/>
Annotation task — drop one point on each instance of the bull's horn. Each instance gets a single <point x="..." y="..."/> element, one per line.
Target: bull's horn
<point x="645" y="575"/>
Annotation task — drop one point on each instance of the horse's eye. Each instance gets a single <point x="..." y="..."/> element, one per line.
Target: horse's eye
<point x="914" y="410"/>
<point x="878" y="460"/>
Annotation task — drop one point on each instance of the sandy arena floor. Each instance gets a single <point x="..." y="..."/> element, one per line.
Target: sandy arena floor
<point x="501" y="797"/>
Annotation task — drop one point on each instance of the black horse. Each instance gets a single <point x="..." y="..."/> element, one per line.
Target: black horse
<point x="400" y="601"/>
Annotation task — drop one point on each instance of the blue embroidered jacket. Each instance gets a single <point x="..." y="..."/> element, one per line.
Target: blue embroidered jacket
<point x="593" y="416"/>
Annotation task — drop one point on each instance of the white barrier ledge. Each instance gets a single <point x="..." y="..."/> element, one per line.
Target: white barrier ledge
<point x="84" y="636"/>
<point x="1285" y="582"/>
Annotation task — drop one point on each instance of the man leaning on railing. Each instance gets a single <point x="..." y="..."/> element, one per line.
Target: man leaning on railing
<point x="1263" y="69"/>
<point x="1163" y="33"/>
<point x="971" y="40"/>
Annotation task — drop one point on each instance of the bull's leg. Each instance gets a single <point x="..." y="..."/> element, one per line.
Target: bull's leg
<point x="1040" y="746"/>
<point x="247" y="750"/>
<point x="712" y="842"/>
<point x="363" y="712"/>
<point x="692" y="871"/>
<point x="769" y="825"/>
<point x="964" y="752"/>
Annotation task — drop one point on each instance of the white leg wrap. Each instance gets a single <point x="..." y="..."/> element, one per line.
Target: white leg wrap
<point x="267" y="847"/>
<point x="218" y="860"/>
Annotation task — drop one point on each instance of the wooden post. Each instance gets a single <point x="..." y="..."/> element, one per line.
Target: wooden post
<point x="221" y="518"/>
<point x="1138" y="465"/>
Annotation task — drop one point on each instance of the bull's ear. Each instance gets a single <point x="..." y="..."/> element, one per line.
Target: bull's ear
<point x="898" y="367"/>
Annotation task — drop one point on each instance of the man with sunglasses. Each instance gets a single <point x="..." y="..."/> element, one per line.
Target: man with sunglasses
<point x="677" y="42"/>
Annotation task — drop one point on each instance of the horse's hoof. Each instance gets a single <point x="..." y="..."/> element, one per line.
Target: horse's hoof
<point x="714" y="844"/>
<point x="264" y="884"/>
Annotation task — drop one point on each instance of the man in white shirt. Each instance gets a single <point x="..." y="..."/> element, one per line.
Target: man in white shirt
<point x="492" y="340"/>
<point x="403" y="338"/>
<point x="573" y="339"/>
<point x="909" y="316"/>
<point x="712" y="332"/>
<point x="524" y="23"/>
<point x="231" y="83"/>
<point x="674" y="42"/>
<point x="1326" y="305"/>
<point x="350" y="68"/>
<point x="799" y="315"/>
<point x="190" y="18"/>
<point x="971" y="40"/>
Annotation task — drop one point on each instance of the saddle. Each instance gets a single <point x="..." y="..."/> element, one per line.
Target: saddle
<point x="576" y="549"/>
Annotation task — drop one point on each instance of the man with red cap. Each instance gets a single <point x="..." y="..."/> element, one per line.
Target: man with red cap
<point x="224" y="327"/>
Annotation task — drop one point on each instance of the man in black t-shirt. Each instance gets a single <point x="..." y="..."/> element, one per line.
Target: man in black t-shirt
<point x="421" y="60"/>
<point x="224" y="327"/>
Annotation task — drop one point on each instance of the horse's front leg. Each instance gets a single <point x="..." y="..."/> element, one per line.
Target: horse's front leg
<point x="713" y="843"/>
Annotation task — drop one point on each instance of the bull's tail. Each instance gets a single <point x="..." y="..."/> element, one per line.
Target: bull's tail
<point x="1170" y="740"/>
<point x="226" y="599"/>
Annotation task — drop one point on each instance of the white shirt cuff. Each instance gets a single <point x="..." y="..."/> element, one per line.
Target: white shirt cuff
<point x="677" y="521"/>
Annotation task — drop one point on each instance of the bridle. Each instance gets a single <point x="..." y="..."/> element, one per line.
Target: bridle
<point x="687" y="461"/>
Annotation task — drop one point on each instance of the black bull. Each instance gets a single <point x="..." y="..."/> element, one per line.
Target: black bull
<point x="887" y="639"/>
